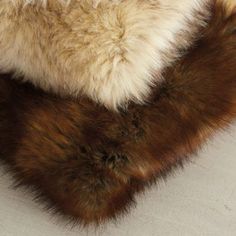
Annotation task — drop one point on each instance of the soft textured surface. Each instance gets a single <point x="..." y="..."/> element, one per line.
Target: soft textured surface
<point x="66" y="2"/>
<point x="109" y="53"/>
<point x="197" y="201"/>
<point x="88" y="162"/>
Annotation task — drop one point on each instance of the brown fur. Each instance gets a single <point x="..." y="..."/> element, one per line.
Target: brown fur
<point x="87" y="162"/>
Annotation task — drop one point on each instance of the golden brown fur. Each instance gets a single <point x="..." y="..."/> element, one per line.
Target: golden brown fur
<point x="108" y="53"/>
<point x="88" y="163"/>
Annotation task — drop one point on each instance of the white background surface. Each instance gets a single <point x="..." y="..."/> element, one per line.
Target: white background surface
<point x="198" y="201"/>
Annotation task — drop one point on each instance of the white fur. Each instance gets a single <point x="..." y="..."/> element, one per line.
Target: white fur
<point x="109" y="53"/>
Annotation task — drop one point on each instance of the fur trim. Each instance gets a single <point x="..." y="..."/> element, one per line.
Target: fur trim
<point x="109" y="53"/>
<point x="87" y="162"/>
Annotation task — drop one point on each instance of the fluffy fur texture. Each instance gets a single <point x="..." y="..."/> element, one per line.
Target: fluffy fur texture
<point x="87" y="162"/>
<point x="66" y="2"/>
<point x="109" y="53"/>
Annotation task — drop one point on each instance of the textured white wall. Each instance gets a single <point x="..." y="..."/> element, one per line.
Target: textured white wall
<point x="198" y="201"/>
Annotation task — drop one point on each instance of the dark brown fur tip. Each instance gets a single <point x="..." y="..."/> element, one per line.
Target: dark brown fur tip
<point x="88" y="163"/>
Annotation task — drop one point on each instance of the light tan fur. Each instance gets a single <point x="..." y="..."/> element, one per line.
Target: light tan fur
<point x="108" y="53"/>
<point x="229" y="4"/>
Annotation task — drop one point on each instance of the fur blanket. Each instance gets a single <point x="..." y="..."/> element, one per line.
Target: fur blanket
<point x="109" y="54"/>
<point x="88" y="163"/>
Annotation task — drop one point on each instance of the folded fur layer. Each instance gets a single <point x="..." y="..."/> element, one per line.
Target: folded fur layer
<point x="109" y="53"/>
<point x="88" y="163"/>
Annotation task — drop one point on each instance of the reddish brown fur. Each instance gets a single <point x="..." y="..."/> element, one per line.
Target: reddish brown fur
<point x="89" y="162"/>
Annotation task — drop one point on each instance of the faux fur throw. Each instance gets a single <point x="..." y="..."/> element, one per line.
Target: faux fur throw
<point x="113" y="53"/>
<point x="88" y="163"/>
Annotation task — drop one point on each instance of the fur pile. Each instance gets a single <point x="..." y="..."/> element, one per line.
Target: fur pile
<point x="109" y="53"/>
<point x="87" y="162"/>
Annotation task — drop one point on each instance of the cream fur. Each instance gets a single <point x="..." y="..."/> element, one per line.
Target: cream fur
<point x="66" y="2"/>
<point x="108" y="53"/>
